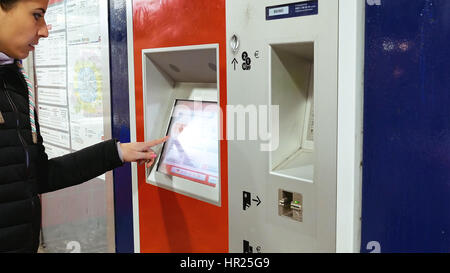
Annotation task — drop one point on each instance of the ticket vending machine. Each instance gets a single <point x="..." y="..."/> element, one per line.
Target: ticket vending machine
<point x="260" y="99"/>
<point x="179" y="63"/>
<point x="284" y="68"/>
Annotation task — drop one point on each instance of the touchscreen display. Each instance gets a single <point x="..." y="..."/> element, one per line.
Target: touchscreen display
<point x="192" y="149"/>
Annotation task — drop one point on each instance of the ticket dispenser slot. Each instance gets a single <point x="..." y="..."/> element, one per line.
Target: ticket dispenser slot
<point x="292" y="88"/>
<point x="290" y="205"/>
<point x="184" y="81"/>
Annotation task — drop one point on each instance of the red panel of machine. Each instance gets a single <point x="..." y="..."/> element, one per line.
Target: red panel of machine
<point x="171" y="222"/>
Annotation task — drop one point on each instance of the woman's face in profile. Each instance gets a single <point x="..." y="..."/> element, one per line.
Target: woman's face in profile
<point x="22" y="26"/>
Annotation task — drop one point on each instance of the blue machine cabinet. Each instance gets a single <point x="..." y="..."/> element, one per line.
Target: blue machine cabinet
<point x="120" y="112"/>
<point x="406" y="151"/>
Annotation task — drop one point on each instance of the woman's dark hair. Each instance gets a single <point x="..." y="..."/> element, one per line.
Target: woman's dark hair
<point x="7" y="4"/>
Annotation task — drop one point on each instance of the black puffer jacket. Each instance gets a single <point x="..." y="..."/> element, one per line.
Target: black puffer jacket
<point x="25" y="170"/>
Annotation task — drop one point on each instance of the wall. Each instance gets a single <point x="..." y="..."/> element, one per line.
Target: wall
<point x="406" y="171"/>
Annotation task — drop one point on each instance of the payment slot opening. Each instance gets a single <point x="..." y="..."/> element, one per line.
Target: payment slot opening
<point x="180" y="100"/>
<point x="292" y="88"/>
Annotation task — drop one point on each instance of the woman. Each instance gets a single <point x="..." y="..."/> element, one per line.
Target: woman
<point x="25" y="170"/>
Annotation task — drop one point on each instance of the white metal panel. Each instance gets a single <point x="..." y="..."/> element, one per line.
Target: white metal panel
<point x="350" y="124"/>
<point x="249" y="166"/>
<point x="133" y="138"/>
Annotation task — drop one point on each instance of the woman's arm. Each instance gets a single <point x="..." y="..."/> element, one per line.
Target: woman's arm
<point x="86" y="164"/>
<point x="76" y="168"/>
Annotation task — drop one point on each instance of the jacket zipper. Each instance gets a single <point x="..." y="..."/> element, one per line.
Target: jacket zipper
<point x="24" y="145"/>
<point x="25" y="148"/>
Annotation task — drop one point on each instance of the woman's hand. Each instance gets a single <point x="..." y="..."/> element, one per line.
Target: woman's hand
<point x="141" y="152"/>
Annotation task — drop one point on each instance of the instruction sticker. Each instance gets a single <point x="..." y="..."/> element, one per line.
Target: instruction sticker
<point x="292" y="10"/>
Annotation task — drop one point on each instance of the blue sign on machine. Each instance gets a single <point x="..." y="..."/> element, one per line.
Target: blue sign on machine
<point x="292" y="10"/>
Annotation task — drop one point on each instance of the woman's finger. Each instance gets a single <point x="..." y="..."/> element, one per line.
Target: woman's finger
<point x="156" y="141"/>
<point x="150" y="163"/>
<point x="144" y="156"/>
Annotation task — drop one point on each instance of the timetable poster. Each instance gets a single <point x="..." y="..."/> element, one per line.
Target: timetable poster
<point x="72" y="76"/>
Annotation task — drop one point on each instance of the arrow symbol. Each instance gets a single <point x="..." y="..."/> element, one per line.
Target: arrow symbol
<point x="235" y="63"/>
<point x="257" y="200"/>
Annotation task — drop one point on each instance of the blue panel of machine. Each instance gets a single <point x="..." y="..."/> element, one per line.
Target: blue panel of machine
<point x="292" y="10"/>
<point x="123" y="206"/>
<point x="406" y="169"/>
